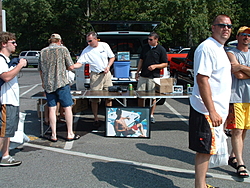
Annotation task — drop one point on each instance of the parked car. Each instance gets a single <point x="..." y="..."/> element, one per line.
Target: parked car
<point x="234" y="43"/>
<point x="122" y="36"/>
<point x="184" y="51"/>
<point x="182" y="66"/>
<point x="31" y="57"/>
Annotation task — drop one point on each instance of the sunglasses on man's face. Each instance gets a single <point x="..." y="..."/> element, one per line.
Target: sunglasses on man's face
<point x="150" y="39"/>
<point x="89" y="40"/>
<point x="229" y="26"/>
<point x="245" y="34"/>
<point x="13" y="42"/>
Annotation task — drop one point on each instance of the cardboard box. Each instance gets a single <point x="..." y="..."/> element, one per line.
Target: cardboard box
<point x="80" y="105"/>
<point x="164" y="85"/>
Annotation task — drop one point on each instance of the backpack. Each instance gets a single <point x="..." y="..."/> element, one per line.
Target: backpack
<point x="12" y="63"/>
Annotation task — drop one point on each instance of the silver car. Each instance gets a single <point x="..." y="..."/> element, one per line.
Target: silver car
<point x="31" y="56"/>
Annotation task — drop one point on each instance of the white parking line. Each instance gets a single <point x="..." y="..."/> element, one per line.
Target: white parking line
<point x="176" y="113"/>
<point x="110" y="159"/>
<point x="69" y="145"/>
<point x="218" y="176"/>
<point x="29" y="90"/>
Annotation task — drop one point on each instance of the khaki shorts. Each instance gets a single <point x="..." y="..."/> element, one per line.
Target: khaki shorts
<point x="145" y="84"/>
<point x="100" y="82"/>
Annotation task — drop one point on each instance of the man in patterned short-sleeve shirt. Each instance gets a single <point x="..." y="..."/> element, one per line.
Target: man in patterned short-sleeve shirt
<point x="53" y="63"/>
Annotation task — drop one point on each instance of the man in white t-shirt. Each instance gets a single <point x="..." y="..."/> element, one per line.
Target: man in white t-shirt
<point x="9" y="110"/>
<point x="100" y="58"/>
<point x="210" y="97"/>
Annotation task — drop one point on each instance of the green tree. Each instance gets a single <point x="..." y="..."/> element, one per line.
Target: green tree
<point x="38" y="19"/>
<point x="31" y="23"/>
<point x="183" y="22"/>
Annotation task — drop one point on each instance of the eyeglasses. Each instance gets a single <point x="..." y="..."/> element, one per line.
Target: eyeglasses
<point x="89" y="40"/>
<point x="150" y="39"/>
<point x="229" y="26"/>
<point x="244" y="34"/>
<point x="13" y="42"/>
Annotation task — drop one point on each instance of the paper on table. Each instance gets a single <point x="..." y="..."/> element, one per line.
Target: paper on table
<point x="157" y="81"/>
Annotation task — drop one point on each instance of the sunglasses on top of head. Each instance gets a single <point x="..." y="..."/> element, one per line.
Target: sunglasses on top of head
<point x="229" y="26"/>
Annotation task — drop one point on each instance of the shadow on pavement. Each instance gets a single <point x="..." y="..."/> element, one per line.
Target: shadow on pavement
<point x="123" y="175"/>
<point x="168" y="152"/>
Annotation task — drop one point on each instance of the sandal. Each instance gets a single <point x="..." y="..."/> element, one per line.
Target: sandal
<point x="232" y="163"/>
<point x="61" y="120"/>
<point x="76" y="137"/>
<point x="210" y="186"/>
<point x="242" y="173"/>
<point x="51" y="139"/>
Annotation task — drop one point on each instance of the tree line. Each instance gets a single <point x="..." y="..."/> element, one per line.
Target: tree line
<point x="183" y="22"/>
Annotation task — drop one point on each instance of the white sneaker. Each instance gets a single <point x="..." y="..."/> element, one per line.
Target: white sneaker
<point x="10" y="161"/>
<point x="152" y="120"/>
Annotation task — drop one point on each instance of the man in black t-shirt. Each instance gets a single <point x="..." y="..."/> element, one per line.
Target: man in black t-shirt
<point x="153" y="58"/>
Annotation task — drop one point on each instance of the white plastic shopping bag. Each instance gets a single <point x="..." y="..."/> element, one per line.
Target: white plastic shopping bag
<point x="20" y="137"/>
<point x="70" y="76"/>
<point x="221" y="156"/>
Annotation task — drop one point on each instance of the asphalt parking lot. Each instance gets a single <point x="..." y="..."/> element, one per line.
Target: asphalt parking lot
<point x="163" y="160"/>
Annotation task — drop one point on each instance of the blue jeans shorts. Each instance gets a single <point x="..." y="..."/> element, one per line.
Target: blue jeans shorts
<point x="61" y="95"/>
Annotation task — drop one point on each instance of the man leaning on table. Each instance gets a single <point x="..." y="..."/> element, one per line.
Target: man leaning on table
<point x="53" y="63"/>
<point x="100" y="57"/>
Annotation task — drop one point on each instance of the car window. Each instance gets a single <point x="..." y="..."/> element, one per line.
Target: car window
<point x="184" y="51"/>
<point x="32" y="54"/>
<point x="124" y="25"/>
<point x="23" y="53"/>
<point x="132" y="45"/>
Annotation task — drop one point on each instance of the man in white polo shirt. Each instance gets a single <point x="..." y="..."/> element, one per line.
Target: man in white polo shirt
<point x="100" y="57"/>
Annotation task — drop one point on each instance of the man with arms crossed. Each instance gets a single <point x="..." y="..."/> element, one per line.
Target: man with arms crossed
<point x="9" y="96"/>
<point x="239" y="117"/>
<point x="210" y="97"/>
<point x="100" y="57"/>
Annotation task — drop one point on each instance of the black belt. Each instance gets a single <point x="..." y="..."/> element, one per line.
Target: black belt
<point x="98" y="72"/>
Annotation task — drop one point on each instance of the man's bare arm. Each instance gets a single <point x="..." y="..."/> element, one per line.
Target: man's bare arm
<point x="206" y="95"/>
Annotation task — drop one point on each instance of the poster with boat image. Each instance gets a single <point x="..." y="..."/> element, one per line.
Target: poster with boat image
<point x="128" y="122"/>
